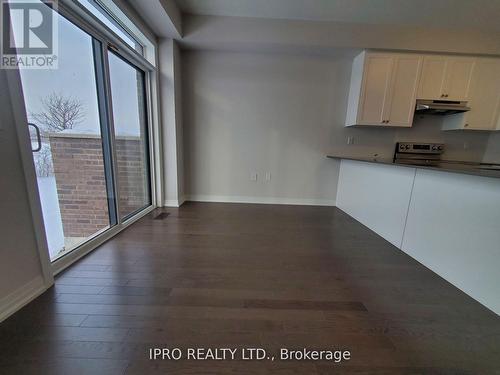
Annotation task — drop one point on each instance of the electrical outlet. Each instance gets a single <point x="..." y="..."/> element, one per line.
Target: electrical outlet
<point x="268" y="176"/>
<point x="350" y="140"/>
<point x="253" y="177"/>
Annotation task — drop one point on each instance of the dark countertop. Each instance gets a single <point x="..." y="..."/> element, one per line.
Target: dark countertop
<point x="454" y="166"/>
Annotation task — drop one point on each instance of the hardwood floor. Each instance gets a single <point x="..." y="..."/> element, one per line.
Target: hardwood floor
<point x="240" y="276"/>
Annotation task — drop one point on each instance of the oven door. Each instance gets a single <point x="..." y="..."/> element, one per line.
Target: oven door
<point x="417" y="159"/>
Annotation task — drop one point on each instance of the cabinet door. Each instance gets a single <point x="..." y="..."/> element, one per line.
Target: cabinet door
<point x="484" y="96"/>
<point x="458" y="78"/>
<point x="403" y="90"/>
<point x="376" y="81"/>
<point x="433" y="77"/>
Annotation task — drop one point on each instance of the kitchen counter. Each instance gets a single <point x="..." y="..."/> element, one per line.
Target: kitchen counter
<point x="455" y="166"/>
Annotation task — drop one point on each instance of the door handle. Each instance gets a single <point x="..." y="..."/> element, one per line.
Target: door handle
<point x="38" y="138"/>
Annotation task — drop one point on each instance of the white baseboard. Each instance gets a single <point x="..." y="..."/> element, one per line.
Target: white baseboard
<point x="20" y="297"/>
<point x="171" y="203"/>
<point x="260" y="200"/>
<point x="182" y="199"/>
<point x="174" y="202"/>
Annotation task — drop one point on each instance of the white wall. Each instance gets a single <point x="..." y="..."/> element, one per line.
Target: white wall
<point x="21" y="275"/>
<point x="171" y="116"/>
<point x="179" y="123"/>
<point x="162" y="16"/>
<point x="242" y="33"/>
<point x="257" y="113"/>
<point x="283" y="113"/>
<point x="447" y="221"/>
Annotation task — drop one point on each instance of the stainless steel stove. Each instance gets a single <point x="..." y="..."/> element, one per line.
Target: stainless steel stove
<point x="418" y="153"/>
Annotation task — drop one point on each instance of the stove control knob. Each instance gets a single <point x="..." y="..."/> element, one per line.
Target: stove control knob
<point x="407" y="147"/>
<point x="434" y="148"/>
<point x="440" y="148"/>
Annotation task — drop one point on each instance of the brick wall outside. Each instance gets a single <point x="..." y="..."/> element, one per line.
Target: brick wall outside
<point x="81" y="185"/>
<point x="131" y="175"/>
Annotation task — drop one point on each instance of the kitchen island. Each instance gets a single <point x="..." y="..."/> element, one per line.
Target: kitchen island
<point x="447" y="217"/>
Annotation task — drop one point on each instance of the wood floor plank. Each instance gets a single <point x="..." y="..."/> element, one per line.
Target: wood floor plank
<point x="304" y="305"/>
<point x="216" y="368"/>
<point x="203" y="325"/>
<point x="69" y="333"/>
<point x="135" y="291"/>
<point x="77" y="289"/>
<point x="64" y="366"/>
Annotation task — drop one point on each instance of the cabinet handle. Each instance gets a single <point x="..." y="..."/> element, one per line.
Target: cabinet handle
<point x="446" y="96"/>
<point x="466" y="125"/>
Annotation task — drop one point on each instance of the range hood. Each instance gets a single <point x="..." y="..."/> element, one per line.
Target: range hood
<point x="440" y="107"/>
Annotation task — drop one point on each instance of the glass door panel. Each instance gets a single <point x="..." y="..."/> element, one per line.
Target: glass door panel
<point x="131" y="135"/>
<point x="63" y="110"/>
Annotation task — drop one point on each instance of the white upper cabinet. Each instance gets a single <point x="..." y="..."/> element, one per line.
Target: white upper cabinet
<point x="484" y="99"/>
<point x="459" y="72"/>
<point x="385" y="86"/>
<point x="377" y="79"/>
<point x="446" y="78"/>
<point x="383" y="89"/>
<point x="401" y="103"/>
<point x="432" y="79"/>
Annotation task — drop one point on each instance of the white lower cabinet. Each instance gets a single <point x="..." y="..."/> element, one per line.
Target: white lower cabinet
<point x="446" y="221"/>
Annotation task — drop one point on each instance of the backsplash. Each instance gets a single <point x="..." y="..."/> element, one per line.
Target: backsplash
<point x="460" y="145"/>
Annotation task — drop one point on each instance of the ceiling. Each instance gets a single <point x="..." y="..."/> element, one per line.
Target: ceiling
<point x="451" y="14"/>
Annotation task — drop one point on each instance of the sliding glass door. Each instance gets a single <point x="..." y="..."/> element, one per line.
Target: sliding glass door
<point x="89" y="133"/>
<point x="131" y="135"/>
<point x="67" y="142"/>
